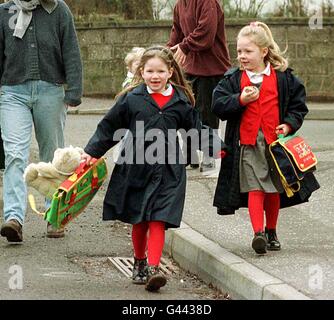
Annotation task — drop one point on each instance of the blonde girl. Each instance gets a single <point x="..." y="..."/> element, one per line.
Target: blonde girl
<point x="131" y="61"/>
<point x="259" y="99"/>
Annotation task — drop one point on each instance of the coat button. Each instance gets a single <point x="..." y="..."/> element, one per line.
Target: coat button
<point x="155" y="179"/>
<point x="160" y="112"/>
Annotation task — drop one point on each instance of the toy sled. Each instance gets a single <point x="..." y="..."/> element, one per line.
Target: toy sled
<point x="75" y="193"/>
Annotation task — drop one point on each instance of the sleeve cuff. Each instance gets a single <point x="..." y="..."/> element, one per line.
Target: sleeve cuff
<point x="184" y="48"/>
<point x="290" y="128"/>
<point x="221" y="154"/>
<point x="73" y="102"/>
<point x="243" y="105"/>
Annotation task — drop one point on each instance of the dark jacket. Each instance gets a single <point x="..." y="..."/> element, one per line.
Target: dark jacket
<point x="142" y="191"/>
<point x="199" y="28"/>
<point x="292" y="110"/>
<point x="49" y="50"/>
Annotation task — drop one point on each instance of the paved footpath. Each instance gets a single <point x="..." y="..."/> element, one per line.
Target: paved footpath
<point x="217" y="248"/>
<point x="78" y="266"/>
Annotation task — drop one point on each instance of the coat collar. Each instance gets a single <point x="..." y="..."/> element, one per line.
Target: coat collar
<point x="178" y="96"/>
<point x="167" y="92"/>
<point x="231" y="71"/>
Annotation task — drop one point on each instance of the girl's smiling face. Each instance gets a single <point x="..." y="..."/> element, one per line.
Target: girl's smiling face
<point x="251" y="56"/>
<point x="156" y="74"/>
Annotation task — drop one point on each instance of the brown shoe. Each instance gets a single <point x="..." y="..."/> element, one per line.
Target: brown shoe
<point x="155" y="280"/>
<point x="52" y="232"/>
<point x="12" y="230"/>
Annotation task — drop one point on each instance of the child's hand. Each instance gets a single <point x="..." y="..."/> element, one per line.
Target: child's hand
<point x="86" y="158"/>
<point x="283" y="129"/>
<point x="249" y="94"/>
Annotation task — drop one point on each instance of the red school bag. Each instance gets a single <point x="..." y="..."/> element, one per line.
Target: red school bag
<point x="293" y="157"/>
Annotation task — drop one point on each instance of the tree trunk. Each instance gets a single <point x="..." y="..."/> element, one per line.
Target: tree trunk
<point x="137" y="10"/>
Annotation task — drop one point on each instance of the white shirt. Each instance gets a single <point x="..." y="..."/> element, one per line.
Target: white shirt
<point x="256" y="78"/>
<point x="128" y="79"/>
<point x="130" y="75"/>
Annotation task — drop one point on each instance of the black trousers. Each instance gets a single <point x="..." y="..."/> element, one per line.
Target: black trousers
<point x="203" y="88"/>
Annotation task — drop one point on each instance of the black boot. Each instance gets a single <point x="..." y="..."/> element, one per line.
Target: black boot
<point x="273" y="243"/>
<point x="259" y="243"/>
<point x="139" y="271"/>
<point x="155" y="279"/>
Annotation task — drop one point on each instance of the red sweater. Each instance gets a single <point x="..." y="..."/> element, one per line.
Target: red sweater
<point x="262" y="113"/>
<point x="198" y="26"/>
<point x="160" y="99"/>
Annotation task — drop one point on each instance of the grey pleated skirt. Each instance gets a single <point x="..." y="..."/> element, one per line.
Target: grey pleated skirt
<point x="257" y="171"/>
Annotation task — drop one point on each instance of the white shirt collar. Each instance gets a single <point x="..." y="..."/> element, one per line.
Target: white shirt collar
<point x="258" y="77"/>
<point x="165" y="93"/>
<point x="130" y="75"/>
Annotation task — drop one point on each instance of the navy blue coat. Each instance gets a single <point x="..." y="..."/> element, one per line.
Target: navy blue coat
<point x="148" y="191"/>
<point x="226" y="106"/>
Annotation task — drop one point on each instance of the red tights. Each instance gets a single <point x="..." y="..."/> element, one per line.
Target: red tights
<point x="258" y="202"/>
<point x="150" y="234"/>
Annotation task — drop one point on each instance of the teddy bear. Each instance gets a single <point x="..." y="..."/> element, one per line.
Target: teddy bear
<point x="46" y="177"/>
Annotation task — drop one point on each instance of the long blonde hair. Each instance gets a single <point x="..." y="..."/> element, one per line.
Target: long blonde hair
<point x="261" y="35"/>
<point x="166" y="55"/>
<point x="134" y="55"/>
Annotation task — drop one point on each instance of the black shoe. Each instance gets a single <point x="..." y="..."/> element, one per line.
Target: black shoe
<point x="193" y="159"/>
<point x="12" y="230"/>
<point x="139" y="272"/>
<point x="259" y="243"/>
<point x="194" y="166"/>
<point x="273" y="243"/>
<point x="155" y="280"/>
<point x="208" y="165"/>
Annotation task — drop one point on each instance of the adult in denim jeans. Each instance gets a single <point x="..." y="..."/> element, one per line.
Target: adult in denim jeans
<point x="39" y="54"/>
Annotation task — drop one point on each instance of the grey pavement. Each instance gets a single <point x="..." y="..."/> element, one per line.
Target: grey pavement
<point x="77" y="266"/>
<point x="218" y="248"/>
